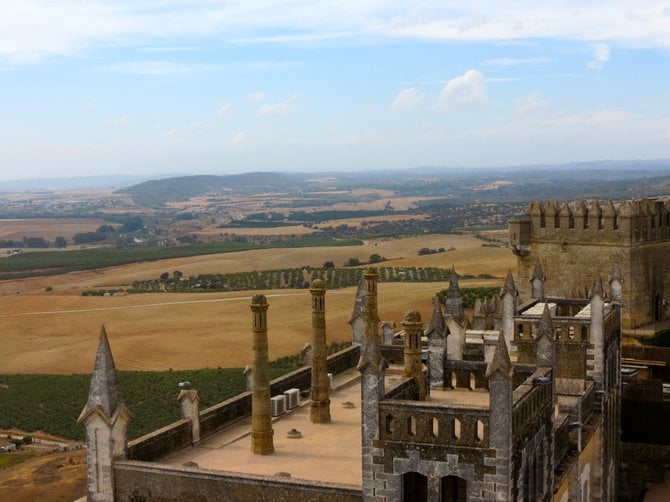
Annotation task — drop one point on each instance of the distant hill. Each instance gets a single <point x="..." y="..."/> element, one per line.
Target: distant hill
<point x="157" y="192"/>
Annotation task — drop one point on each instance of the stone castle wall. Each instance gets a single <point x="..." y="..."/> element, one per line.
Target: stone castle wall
<point x="163" y="483"/>
<point x="574" y="249"/>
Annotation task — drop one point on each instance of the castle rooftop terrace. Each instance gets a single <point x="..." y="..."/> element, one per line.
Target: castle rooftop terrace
<point x="325" y="452"/>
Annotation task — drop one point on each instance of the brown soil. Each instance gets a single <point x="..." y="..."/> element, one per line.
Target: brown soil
<point x="51" y="477"/>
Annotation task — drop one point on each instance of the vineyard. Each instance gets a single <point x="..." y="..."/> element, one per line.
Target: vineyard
<point x="52" y="403"/>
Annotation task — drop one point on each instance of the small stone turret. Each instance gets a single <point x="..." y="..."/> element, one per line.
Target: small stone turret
<point x="437" y="345"/>
<point x="453" y="306"/>
<point x="106" y="420"/>
<point x="537" y="282"/>
<point x="320" y="405"/>
<point x="412" y="353"/>
<point x="372" y="366"/>
<point x="478" y="316"/>
<point x="189" y="402"/>
<point x="500" y="376"/>
<point x="544" y="340"/>
<point x="261" y="424"/>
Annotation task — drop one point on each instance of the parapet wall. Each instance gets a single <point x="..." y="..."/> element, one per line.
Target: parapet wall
<point x="178" y="434"/>
<point x="158" y="482"/>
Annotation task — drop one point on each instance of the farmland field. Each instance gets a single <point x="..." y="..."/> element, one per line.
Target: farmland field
<point x="47" y="228"/>
<point x="56" y="332"/>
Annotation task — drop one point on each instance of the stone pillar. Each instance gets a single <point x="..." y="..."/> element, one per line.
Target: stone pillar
<point x="437" y="345"/>
<point x="248" y="373"/>
<point x="545" y="349"/>
<point x="261" y="422"/>
<point x="412" y="353"/>
<point x="616" y="285"/>
<point x="189" y="401"/>
<point x="320" y="406"/>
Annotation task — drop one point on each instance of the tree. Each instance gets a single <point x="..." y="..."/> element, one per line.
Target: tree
<point x="60" y="242"/>
<point x="177" y="275"/>
<point x="352" y="262"/>
<point x="329" y="264"/>
<point x="376" y="258"/>
<point x="165" y="276"/>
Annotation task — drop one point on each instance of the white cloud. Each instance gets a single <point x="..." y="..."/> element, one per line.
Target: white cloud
<point x="224" y="108"/>
<point x="257" y="96"/>
<point x="34" y="29"/>
<point x="407" y="98"/>
<point x="601" y="54"/>
<point x="530" y="103"/>
<point x="274" y="110"/>
<point x="115" y="121"/>
<point x="514" y="61"/>
<point x="171" y="133"/>
<point x="150" y="68"/>
<point x="238" y="138"/>
<point x="468" y="89"/>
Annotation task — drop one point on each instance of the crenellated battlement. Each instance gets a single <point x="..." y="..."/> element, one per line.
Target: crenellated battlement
<point x="631" y="221"/>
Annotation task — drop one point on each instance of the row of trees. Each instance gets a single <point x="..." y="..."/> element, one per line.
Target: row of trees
<point x="33" y="243"/>
<point x="293" y="278"/>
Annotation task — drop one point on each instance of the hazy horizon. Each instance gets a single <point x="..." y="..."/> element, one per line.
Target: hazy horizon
<point x="206" y="87"/>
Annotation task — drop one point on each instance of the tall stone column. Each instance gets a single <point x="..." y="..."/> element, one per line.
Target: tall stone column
<point x="320" y="407"/>
<point x="412" y="353"/>
<point x="261" y="423"/>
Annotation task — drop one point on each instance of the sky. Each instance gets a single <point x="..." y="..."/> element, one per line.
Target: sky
<point x="151" y="87"/>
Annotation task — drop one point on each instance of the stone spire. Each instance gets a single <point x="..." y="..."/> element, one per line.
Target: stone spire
<point x="261" y="424"/>
<point x="597" y="288"/>
<point x="437" y="345"/>
<point x="509" y="295"/>
<point x="544" y="339"/>
<point x="437" y="327"/>
<point x="508" y="287"/>
<point x="616" y="284"/>
<point x="537" y="281"/>
<point x="453" y="305"/>
<point x="106" y="420"/>
<point x="478" y="316"/>
<point x="371" y="354"/>
<point x="104" y="393"/>
<point x="412" y="352"/>
<point x="501" y="363"/>
<point x="357" y="319"/>
<point x="320" y="404"/>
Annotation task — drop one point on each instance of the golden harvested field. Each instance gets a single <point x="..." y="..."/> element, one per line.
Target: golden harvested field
<point x="356" y="222"/>
<point x="56" y="332"/>
<point x="48" y="228"/>
<point x="58" y="335"/>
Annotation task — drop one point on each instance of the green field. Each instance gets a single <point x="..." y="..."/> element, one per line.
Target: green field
<point x="60" y="262"/>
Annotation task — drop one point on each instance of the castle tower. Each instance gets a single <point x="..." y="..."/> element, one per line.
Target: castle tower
<point x="412" y="353"/>
<point x="261" y="425"/>
<point x="537" y="281"/>
<point x="437" y="345"/>
<point x="106" y="420"/>
<point x="357" y="319"/>
<point x="544" y="340"/>
<point x="500" y="374"/>
<point x="509" y="297"/>
<point x="453" y="305"/>
<point x="320" y="405"/>
<point x="372" y="366"/>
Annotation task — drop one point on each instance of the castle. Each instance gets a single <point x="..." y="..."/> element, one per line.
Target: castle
<point x="521" y="404"/>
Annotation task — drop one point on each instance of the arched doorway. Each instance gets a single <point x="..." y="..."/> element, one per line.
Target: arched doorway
<point x="453" y="489"/>
<point x="414" y="487"/>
